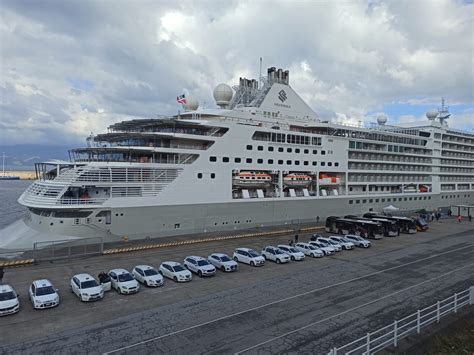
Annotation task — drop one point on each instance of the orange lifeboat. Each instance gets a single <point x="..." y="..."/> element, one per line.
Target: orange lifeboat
<point x="297" y="180"/>
<point x="252" y="179"/>
<point x="327" y="179"/>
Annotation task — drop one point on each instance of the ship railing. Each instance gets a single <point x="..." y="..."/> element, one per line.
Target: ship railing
<point x="53" y="201"/>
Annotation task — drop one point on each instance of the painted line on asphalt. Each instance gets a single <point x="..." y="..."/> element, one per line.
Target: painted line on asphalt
<point x="350" y="310"/>
<point x="281" y="300"/>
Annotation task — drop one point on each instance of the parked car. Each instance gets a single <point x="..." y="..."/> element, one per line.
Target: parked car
<point x="86" y="287"/>
<point x="274" y="254"/>
<point x="316" y="236"/>
<point x="358" y="241"/>
<point x="294" y="253"/>
<point x="248" y="256"/>
<point x="147" y="275"/>
<point x="199" y="265"/>
<point x="43" y="294"/>
<point x="9" y="300"/>
<point x="326" y="249"/>
<point x="123" y="281"/>
<point x="309" y="250"/>
<point x="345" y="244"/>
<point x="105" y="281"/>
<point x="329" y="242"/>
<point x="175" y="271"/>
<point x="223" y="262"/>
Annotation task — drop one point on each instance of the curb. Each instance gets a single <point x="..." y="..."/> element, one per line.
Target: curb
<point x="16" y="263"/>
<point x="204" y="240"/>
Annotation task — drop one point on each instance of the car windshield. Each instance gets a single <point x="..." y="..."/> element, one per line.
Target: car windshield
<point x="89" y="284"/>
<point x="311" y="247"/>
<point x="125" y="277"/>
<point x="178" y="268"/>
<point x="150" y="272"/>
<point x="225" y="258"/>
<point x="253" y="253"/>
<point x="5" y="296"/>
<point x="43" y="291"/>
<point x="277" y="251"/>
<point x="202" y="263"/>
<point x="333" y="242"/>
<point x="293" y="250"/>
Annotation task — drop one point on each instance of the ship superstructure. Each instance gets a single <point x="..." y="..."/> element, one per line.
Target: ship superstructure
<point x="262" y="158"/>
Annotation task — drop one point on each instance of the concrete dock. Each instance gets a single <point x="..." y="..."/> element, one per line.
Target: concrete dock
<point x="305" y="307"/>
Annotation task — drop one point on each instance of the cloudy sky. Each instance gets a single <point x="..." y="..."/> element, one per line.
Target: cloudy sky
<point x="72" y="67"/>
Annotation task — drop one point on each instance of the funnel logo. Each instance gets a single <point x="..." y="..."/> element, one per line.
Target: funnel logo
<point x="282" y="96"/>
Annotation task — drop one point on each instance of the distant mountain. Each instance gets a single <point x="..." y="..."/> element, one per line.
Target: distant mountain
<point x="24" y="157"/>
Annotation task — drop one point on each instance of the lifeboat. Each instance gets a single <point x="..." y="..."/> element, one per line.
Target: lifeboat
<point x="327" y="179"/>
<point x="409" y="188"/>
<point x="423" y="188"/>
<point x="296" y="180"/>
<point x="252" y="179"/>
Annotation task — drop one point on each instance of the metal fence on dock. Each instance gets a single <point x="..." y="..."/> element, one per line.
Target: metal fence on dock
<point x="391" y="334"/>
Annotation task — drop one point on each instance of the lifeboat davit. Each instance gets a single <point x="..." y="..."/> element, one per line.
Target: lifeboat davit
<point x="296" y="180"/>
<point x="252" y="179"/>
<point x="326" y="179"/>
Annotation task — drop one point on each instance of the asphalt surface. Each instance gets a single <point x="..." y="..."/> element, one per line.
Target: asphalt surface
<point x="304" y="307"/>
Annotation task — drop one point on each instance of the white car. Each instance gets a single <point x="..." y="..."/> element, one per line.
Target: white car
<point x="175" y="271"/>
<point x="123" y="281"/>
<point x="327" y="250"/>
<point x="294" y="253"/>
<point x="9" y="302"/>
<point x="223" y="262"/>
<point x="248" y="256"/>
<point x="310" y="250"/>
<point x="43" y="294"/>
<point x="358" y="241"/>
<point x="86" y="287"/>
<point x="345" y="244"/>
<point x="147" y="275"/>
<point x="199" y="265"/>
<point x="274" y="254"/>
<point x="329" y="242"/>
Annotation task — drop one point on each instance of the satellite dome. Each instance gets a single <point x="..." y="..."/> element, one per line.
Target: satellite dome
<point x="191" y="103"/>
<point x="381" y="120"/>
<point x="432" y="114"/>
<point x="223" y="94"/>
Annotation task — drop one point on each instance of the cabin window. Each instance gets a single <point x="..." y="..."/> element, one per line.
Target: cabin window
<point x="213" y="159"/>
<point x="260" y="147"/>
<point x="237" y="160"/>
<point x="199" y="175"/>
<point x="323" y="152"/>
<point x="280" y="150"/>
<point x="306" y="162"/>
<point x="297" y="162"/>
<point x="329" y="163"/>
<point x="289" y="150"/>
<point x="288" y="162"/>
<point x="260" y="161"/>
<point x="280" y="162"/>
<point x="336" y="164"/>
<point x="248" y="160"/>
<point x="306" y="151"/>
<point x="297" y="150"/>
<point x="270" y="161"/>
<point x="213" y="176"/>
<point x="225" y="159"/>
<point x="315" y="163"/>
<point x="270" y="149"/>
<point x="249" y="147"/>
<point x="323" y="163"/>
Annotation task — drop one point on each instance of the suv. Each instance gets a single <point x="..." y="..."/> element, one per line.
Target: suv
<point x="327" y="250"/>
<point x="358" y="241"/>
<point x="248" y="256"/>
<point x="86" y="287"/>
<point x="123" y="281"/>
<point x="310" y="250"/>
<point x="9" y="303"/>
<point x="294" y="253"/>
<point x="43" y="294"/>
<point x="274" y="254"/>
<point x="345" y="244"/>
<point x="199" y="265"/>
<point x="223" y="262"/>
<point x="329" y="242"/>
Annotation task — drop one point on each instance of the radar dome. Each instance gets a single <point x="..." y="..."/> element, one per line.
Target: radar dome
<point x="381" y="120"/>
<point x="223" y="94"/>
<point x="432" y="114"/>
<point x="191" y="104"/>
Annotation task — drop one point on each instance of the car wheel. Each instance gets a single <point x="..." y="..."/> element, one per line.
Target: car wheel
<point x="292" y="258"/>
<point x="264" y="256"/>
<point x="175" y="279"/>
<point x="160" y="272"/>
<point x="278" y="261"/>
<point x="223" y="268"/>
<point x="146" y="284"/>
<point x="119" y="290"/>
<point x="252" y="263"/>
<point x="236" y="259"/>
<point x="200" y="273"/>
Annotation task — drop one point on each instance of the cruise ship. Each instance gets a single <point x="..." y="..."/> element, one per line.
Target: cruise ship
<point x="261" y="158"/>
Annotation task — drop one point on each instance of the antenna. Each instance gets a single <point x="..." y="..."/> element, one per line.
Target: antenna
<point x="260" y="75"/>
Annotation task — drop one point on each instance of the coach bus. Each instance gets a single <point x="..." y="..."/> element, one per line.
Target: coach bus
<point x="363" y="228"/>
<point x="405" y="224"/>
<point x="390" y="228"/>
